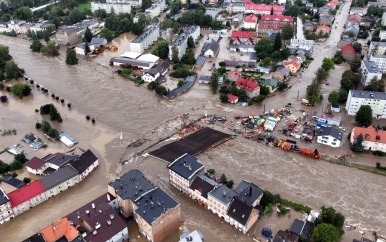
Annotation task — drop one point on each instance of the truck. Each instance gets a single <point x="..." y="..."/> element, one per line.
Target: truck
<point x="306" y="102"/>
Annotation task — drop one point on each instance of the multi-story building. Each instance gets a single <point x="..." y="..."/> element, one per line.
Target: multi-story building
<point x="60" y="230"/>
<point x="59" y="181"/>
<point x="66" y="36"/>
<point x="273" y="23"/>
<point x="200" y="188"/>
<point x="118" y="8"/>
<point x="142" y="42"/>
<point x="263" y="9"/>
<point x="238" y="7"/>
<point x="155" y="73"/>
<point x="383" y="21"/>
<point x="329" y="136"/>
<point x="85" y="164"/>
<point x="183" y="171"/>
<point x="369" y="71"/>
<point x="48" y="163"/>
<point x="251" y="87"/>
<point x="6" y="212"/>
<point x="376" y="100"/>
<point x="15" y="25"/>
<point x="249" y="193"/>
<point x="155" y="9"/>
<point x="41" y="27"/>
<point x="250" y="22"/>
<point x="241" y="215"/>
<point x="380" y="61"/>
<point x="220" y="199"/>
<point x="373" y="138"/>
<point x="358" y="10"/>
<point x="376" y="48"/>
<point x="181" y="43"/>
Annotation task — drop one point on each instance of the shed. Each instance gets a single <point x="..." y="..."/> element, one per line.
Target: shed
<point x="67" y="139"/>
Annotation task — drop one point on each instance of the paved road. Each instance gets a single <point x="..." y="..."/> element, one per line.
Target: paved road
<point x="299" y="28"/>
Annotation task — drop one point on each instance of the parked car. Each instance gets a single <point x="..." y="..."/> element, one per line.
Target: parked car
<point x="341" y="128"/>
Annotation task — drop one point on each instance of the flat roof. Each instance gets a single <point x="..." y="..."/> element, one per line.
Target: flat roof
<point x="148" y="57"/>
<point x="368" y="94"/>
<point x="131" y="55"/>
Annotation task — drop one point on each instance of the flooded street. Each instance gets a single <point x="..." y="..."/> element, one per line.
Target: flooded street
<point x="119" y="106"/>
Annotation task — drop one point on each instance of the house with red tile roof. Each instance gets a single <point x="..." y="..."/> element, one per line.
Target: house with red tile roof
<point x="263" y="9"/>
<point x="233" y="75"/>
<point x="321" y="30"/>
<point x="60" y="230"/>
<point x="243" y="40"/>
<point x="232" y="98"/>
<point x="332" y="5"/>
<point x="348" y="52"/>
<point x="293" y="65"/>
<point x="250" y="21"/>
<point x="354" y="18"/>
<point x="251" y="87"/>
<point x="35" y="166"/>
<point x="273" y="23"/>
<point x="373" y="138"/>
<point x="26" y="197"/>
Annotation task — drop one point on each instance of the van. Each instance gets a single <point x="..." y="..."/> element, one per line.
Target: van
<point x="322" y="120"/>
<point x="315" y="117"/>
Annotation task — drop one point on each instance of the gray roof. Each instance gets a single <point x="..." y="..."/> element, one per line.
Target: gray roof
<point x="248" y="192"/>
<point x="203" y="184"/>
<point x="303" y="229"/>
<point x="13" y="181"/>
<point x="213" y="45"/>
<point x="160" y="68"/>
<point x="204" y="78"/>
<point x="61" y="175"/>
<point x="330" y="131"/>
<point x="296" y="227"/>
<point x="223" y="194"/>
<point x="378" y="43"/>
<point x="64" y="134"/>
<point x="98" y="41"/>
<point x="368" y="94"/>
<point x="131" y="185"/>
<point x="154" y="204"/>
<point x="189" y="81"/>
<point x="84" y="161"/>
<point x="130" y="62"/>
<point x="143" y="36"/>
<point x="371" y="66"/>
<point x="186" y="166"/>
<point x="200" y="60"/>
<point x="59" y="159"/>
<point x="3" y="197"/>
<point x="239" y="211"/>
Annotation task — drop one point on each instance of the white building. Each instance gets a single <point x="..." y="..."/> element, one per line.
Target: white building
<point x="329" y="136"/>
<point x="67" y="139"/>
<point x="118" y="8"/>
<point x="382" y="34"/>
<point x="154" y="73"/>
<point x="15" y="25"/>
<point x="181" y="43"/>
<point x="383" y="19"/>
<point x="250" y="22"/>
<point x="369" y="71"/>
<point x="376" y="100"/>
<point x="142" y="42"/>
<point x="373" y="139"/>
<point x="59" y="181"/>
<point x="6" y="212"/>
<point x="155" y="9"/>
<point x="380" y="60"/>
<point x="220" y="199"/>
<point x="85" y="164"/>
<point x="376" y="48"/>
<point x="357" y="10"/>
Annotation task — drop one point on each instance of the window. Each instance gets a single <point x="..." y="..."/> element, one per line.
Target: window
<point x="333" y="143"/>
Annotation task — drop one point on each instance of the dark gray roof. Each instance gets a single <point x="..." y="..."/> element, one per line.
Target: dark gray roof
<point x="296" y="227"/>
<point x="13" y="181"/>
<point x="330" y="131"/>
<point x="3" y="197"/>
<point x="213" y="45"/>
<point x="189" y="81"/>
<point x="131" y="185"/>
<point x="130" y="62"/>
<point x="223" y="194"/>
<point x="204" y="78"/>
<point x="248" y="192"/>
<point x="186" y="166"/>
<point x="239" y="211"/>
<point x="307" y="230"/>
<point x="203" y="184"/>
<point x="160" y="68"/>
<point x="61" y="175"/>
<point x="303" y="229"/>
<point x="368" y="94"/>
<point x="35" y="238"/>
<point x="84" y="161"/>
<point x="154" y="204"/>
<point x="200" y="60"/>
<point x="59" y="159"/>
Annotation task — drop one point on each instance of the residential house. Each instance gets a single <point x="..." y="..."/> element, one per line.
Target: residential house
<point x="33" y="142"/>
<point x="66" y="36"/>
<point x="250" y="86"/>
<point x="85" y="164"/>
<point x="243" y="41"/>
<point x="15" y="149"/>
<point x="194" y="236"/>
<point x="263" y="9"/>
<point x="354" y="18"/>
<point x="250" y="22"/>
<point x="367" y="21"/>
<point x="232" y="98"/>
<point x="155" y="9"/>
<point x="4" y="27"/>
<point x="358" y="10"/>
<point x="236" y="7"/>
<point x="329" y="136"/>
<point x="273" y="23"/>
<point x="210" y="49"/>
<point x="383" y="20"/>
<point x="302" y="229"/>
<point x="369" y="71"/>
<point x="233" y="75"/>
<point x="300" y="57"/>
<point x="335" y="108"/>
<point x="309" y="6"/>
<point x="54" y="161"/>
<point x="272" y="84"/>
<point x="26" y="197"/>
<point x="80" y="49"/>
<point x="283" y="236"/>
<point x="204" y="79"/>
<point x="97" y="43"/>
<point x="380" y="60"/>
<point x="6" y="212"/>
<point x="117" y="7"/>
<point x="24" y="28"/>
<point x="35" y="166"/>
<point x="241" y="215"/>
<point x="281" y="74"/>
<point x="220" y="199"/>
<point x="373" y="139"/>
<point x="331" y="5"/>
<point x="15" y="25"/>
<point x="382" y="34"/>
<point x="183" y="170"/>
<point x="326" y="19"/>
<point x="154" y="73"/>
<point x="376" y="100"/>
<point x="200" y="188"/>
<point x="309" y="26"/>
<point x="293" y="66"/>
<point x="200" y="61"/>
<point x="60" y="230"/>
<point x="341" y="44"/>
<point x="348" y="52"/>
<point x="181" y="43"/>
<point x="376" y="48"/>
<point x="325" y="10"/>
<point x="249" y="193"/>
<point x="145" y="40"/>
<point x="67" y="139"/>
<point x="41" y="26"/>
<point x="301" y="46"/>
<point x="322" y="30"/>
<point x="59" y="181"/>
<point x="352" y="27"/>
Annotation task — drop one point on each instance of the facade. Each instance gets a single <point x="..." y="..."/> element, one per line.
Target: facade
<point x="200" y="188"/>
<point x="380" y="61"/>
<point x="376" y="100"/>
<point x="85" y="164"/>
<point x="273" y="23"/>
<point x="181" y="43"/>
<point x="251" y="87"/>
<point x="383" y="21"/>
<point x="376" y="48"/>
<point x="15" y="25"/>
<point x="26" y="197"/>
<point x="369" y="71"/>
<point x="6" y="212"/>
<point x="182" y="172"/>
<point x="382" y="34"/>
<point x="142" y="42"/>
<point x="35" y="166"/>
<point x="373" y="138"/>
<point x="302" y="46"/>
<point x="322" y="30"/>
<point x="250" y="22"/>
<point x="118" y="8"/>
<point x="237" y="7"/>
<point x="154" y="73"/>
<point x="263" y="9"/>
<point x="155" y="9"/>
<point x="293" y="65"/>
<point x="329" y="136"/>
<point x="272" y="84"/>
<point x="66" y="36"/>
<point x="348" y="52"/>
<point x="242" y="216"/>
<point x="210" y="49"/>
<point x="59" y="181"/>
<point x="220" y="199"/>
<point x="281" y="74"/>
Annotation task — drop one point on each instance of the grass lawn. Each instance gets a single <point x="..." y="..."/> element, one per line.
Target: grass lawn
<point x="372" y="169"/>
<point x="84" y="6"/>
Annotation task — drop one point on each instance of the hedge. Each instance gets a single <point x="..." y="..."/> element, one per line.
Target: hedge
<point x="296" y="206"/>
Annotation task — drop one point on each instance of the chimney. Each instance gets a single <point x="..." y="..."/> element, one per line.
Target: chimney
<point x="112" y="216"/>
<point x="93" y="205"/>
<point x="87" y="211"/>
<point x="108" y="197"/>
<point x="250" y="191"/>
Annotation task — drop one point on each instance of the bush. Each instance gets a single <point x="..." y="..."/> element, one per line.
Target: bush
<point x="211" y="171"/>
<point x="26" y="180"/>
<point x="282" y="210"/>
<point x="21" y="89"/>
<point x="38" y="125"/>
<point x="296" y="206"/>
<point x="152" y="85"/>
<point x="268" y="209"/>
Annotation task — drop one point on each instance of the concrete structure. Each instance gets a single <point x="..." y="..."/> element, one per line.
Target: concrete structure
<point x="250" y="22"/>
<point x="6" y="212"/>
<point x="85" y="164"/>
<point x="181" y="43"/>
<point x="329" y="136"/>
<point x="263" y="9"/>
<point x="118" y="8"/>
<point x="382" y="34"/>
<point x="373" y="138"/>
<point x="376" y="100"/>
<point x="251" y="87"/>
<point x="322" y="30"/>
<point x="59" y="181"/>
<point x="142" y="42"/>
<point x="236" y="7"/>
<point x="369" y="71"/>
<point x="220" y="199"/>
<point x="66" y="36"/>
<point x="376" y="48"/>
<point x="357" y="10"/>
<point x="155" y="9"/>
<point x="15" y="25"/>
<point x="326" y="19"/>
<point x="273" y="23"/>
<point x="302" y="46"/>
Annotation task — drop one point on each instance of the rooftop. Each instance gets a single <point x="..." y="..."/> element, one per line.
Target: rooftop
<point x="283" y="236"/>
<point x="232" y="98"/>
<point x="370" y="134"/>
<point x="59" y="159"/>
<point x="61" y="175"/>
<point x="203" y="184"/>
<point x="59" y="229"/>
<point x="131" y="55"/>
<point x="186" y="166"/>
<point x="223" y="194"/>
<point x="148" y="57"/>
<point x="368" y="94"/>
<point x="280" y="18"/>
<point x="13" y="181"/>
<point x="3" y="197"/>
<point x="239" y="211"/>
<point x="371" y="66"/>
<point x="25" y="193"/>
<point x="143" y="36"/>
<point x="194" y="236"/>
<point x="84" y="161"/>
<point x="248" y="192"/>
<point x="331" y="131"/>
<point x="250" y="18"/>
<point x="35" y="238"/>
<point x="247" y="83"/>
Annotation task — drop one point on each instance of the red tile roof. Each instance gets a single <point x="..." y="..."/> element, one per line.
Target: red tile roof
<point x="58" y="229"/>
<point x="348" y="48"/>
<point x="247" y="83"/>
<point x="35" y="163"/>
<point x="25" y="193"/>
<point x="293" y="62"/>
<point x="232" y="98"/>
<point x="370" y="134"/>
<point x="233" y="73"/>
<point x="262" y="7"/>
<point x="277" y="8"/>
<point x="323" y="27"/>
<point x="332" y="4"/>
<point x="279" y="18"/>
<point x="250" y="18"/>
<point x="243" y="34"/>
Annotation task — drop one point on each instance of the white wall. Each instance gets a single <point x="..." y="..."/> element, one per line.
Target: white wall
<point x="328" y="140"/>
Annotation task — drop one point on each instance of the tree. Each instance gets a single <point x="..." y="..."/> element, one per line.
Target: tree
<point x="11" y="70"/>
<point x="152" y="85"/>
<point x="364" y="116"/>
<point x="26" y="180"/>
<point x="71" y="58"/>
<point x="107" y="34"/>
<point x="50" y="49"/>
<point x="287" y="31"/>
<point x="180" y="83"/>
<point x="21" y="158"/>
<point x="277" y="44"/>
<point x="343" y="94"/>
<point x="4" y="55"/>
<point x="328" y="215"/>
<point x="264" y="48"/>
<point x="15" y="165"/>
<point x="161" y="90"/>
<point x="214" y="81"/>
<point x="266" y="61"/>
<point x="24" y="13"/>
<point x="355" y="64"/>
<point x="282" y="86"/>
<point x="375" y="85"/>
<point x="228" y="24"/>
<point x="264" y="90"/>
<point x="223" y="98"/>
<point x="188" y="58"/>
<point x="36" y="46"/>
<point x="54" y="114"/>
<point x="326" y="233"/>
<point x="223" y="179"/>
<point x="357" y="47"/>
<point x="293" y="11"/>
<point x="321" y="74"/>
<point x="333" y="97"/>
<point x="313" y="93"/>
<point x="175" y="57"/>
<point x="190" y="42"/>
<point x="87" y="35"/>
<point x="86" y="49"/>
<point x="328" y="64"/>
<point x="21" y="89"/>
<point x="211" y="171"/>
<point x="348" y="80"/>
<point x="161" y="49"/>
<point x="230" y="184"/>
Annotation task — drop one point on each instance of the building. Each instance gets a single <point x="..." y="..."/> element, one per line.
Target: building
<point x="373" y="139"/>
<point x="142" y="42"/>
<point x="233" y="75"/>
<point x="263" y="9"/>
<point x="383" y="21"/>
<point x="293" y="65"/>
<point x="369" y="71"/>
<point x="250" y="22"/>
<point x="236" y="7"/>
<point x="67" y="139"/>
<point x="251" y="87"/>
<point x="26" y="197"/>
<point x="85" y="164"/>
<point x="249" y="193"/>
<point x="301" y="229"/>
<point x="60" y="230"/>
<point x="155" y="9"/>
<point x="41" y="27"/>
<point x="194" y="236"/>
<point x="376" y="48"/>
<point x="131" y="63"/>
<point x="283" y="236"/>
<point x="232" y="98"/>
<point x="302" y="46"/>
<point x="329" y="136"/>
<point x="376" y="100"/>
<point x="357" y="10"/>
<point x="35" y="166"/>
<point x="200" y="188"/>
<point x="183" y="171"/>
<point x="380" y="61"/>
<point x="6" y="212"/>
<point x="220" y="199"/>
<point x="353" y="28"/>
<point x="331" y="5"/>
<point x="348" y="52"/>
<point x="59" y="181"/>
<point x="241" y="215"/>
<point x="273" y="23"/>
<point x="118" y="8"/>
<point x="154" y="73"/>
<point x="243" y="41"/>
<point x="66" y="36"/>
<point x="326" y="19"/>
<point x="322" y="30"/>
<point x="210" y="49"/>
<point x="14" y="25"/>
<point x="204" y="79"/>
<point x="355" y="18"/>
<point x="281" y="74"/>
<point x="309" y="26"/>
<point x="181" y="43"/>
<point x="272" y="84"/>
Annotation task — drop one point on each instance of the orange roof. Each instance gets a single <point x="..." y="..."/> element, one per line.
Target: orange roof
<point x="324" y="27"/>
<point x="370" y="134"/>
<point x="232" y="98"/>
<point x="233" y="73"/>
<point x="294" y="62"/>
<point x="248" y="84"/>
<point x="58" y="229"/>
<point x="250" y="19"/>
<point x="348" y="48"/>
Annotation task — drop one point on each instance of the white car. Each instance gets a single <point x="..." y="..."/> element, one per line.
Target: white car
<point x="341" y="128"/>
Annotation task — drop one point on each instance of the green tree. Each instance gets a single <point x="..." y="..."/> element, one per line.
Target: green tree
<point x="175" y="58"/>
<point x="21" y="89"/>
<point x="190" y="42"/>
<point x="328" y="64"/>
<point x="54" y="114"/>
<point x="45" y="126"/>
<point x="211" y="171"/>
<point x="86" y="49"/>
<point x="53" y="133"/>
<point x="266" y="61"/>
<point x="287" y="31"/>
<point x="264" y="48"/>
<point x="11" y="70"/>
<point x="348" y="79"/>
<point x="364" y="116"/>
<point x="230" y="184"/>
<point x="21" y="158"/>
<point x="24" y="13"/>
<point x="4" y="55"/>
<point x="71" y="58"/>
<point x="375" y="85"/>
<point x="107" y="34"/>
<point x="223" y="179"/>
<point x="313" y="93"/>
<point x="293" y="11"/>
<point x="188" y="58"/>
<point x="355" y="64"/>
<point x="180" y="83"/>
<point x="161" y="90"/>
<point x="223" y="98"/>
<point x="326" y="233"/>
<point x="333" y="97"/>
<point x="87" y="35"/>
<point x="277" y="44"/>
<point x="357" y="144"/>
<point x="264" y="90"/>
<point x="214" y="81"/>
<point x="50" y="49"/>
<point x="328" y="215"/>
<point x="15" y="165"/>
<point x="321" y="74"/>
<point x="357" y="47"/>
<point x="343" y="94"/>
<point x="36" y="46"/>
<point x="161" y="49"/>
<point x="152" y="85"/>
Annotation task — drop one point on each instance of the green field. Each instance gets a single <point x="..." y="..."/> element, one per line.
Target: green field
<point x="84" y="6"/>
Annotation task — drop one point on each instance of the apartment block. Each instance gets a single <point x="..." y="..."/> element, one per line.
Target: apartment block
<point x="142" y="42"/>
<point x="181" y="43"/>
<point x="118" y="8"/>
<point x="380" y="61"/>
<point x="369" y="71"/>
<point x="6" y="212"/>
<point x="376" y="100"/>
<point x="155" y="9"/>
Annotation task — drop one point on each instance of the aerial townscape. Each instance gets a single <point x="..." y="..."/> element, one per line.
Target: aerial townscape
<point x="192" y="120"/>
